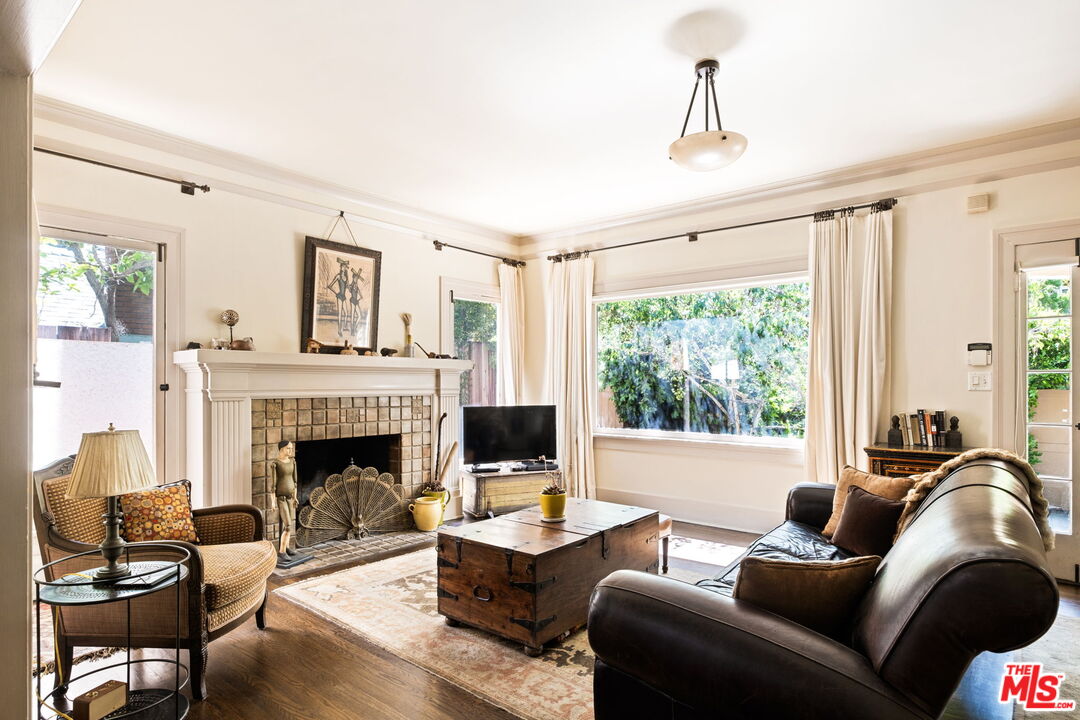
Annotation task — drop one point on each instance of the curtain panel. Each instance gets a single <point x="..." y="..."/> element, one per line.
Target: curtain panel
<point x="511" y="345"/>
<point x="850" y="326"/>
<point x="570" y="330"/>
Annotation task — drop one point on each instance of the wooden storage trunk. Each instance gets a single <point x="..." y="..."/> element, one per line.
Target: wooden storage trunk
<point x="530" y="581"/>
<point x="500" y="493"/>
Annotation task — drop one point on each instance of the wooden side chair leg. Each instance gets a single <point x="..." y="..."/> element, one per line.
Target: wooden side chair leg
<point x="260" y="614"/>
<point x="664" y="566"/>
<point x="65" y="659"/>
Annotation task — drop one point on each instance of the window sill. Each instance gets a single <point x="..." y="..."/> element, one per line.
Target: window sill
<point x="771" y="449"/>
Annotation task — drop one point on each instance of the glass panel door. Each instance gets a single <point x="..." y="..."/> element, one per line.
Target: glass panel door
<point x="1051" y="430"/>
<point x="476" y="326"/>
<point x="95" y="353"/>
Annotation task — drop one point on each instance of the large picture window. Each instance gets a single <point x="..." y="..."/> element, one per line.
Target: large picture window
<point x="730" y="361"/>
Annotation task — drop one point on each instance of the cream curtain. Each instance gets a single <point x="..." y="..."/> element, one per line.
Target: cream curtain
<point x="850" y="321"/>
<point x="511" y="334"/>
<point x="571" y="338"/>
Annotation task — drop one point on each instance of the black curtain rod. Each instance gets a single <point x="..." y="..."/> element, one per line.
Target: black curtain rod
<point x="692" y="236"/>
<point x="439" y="245"/>
<point x="187" y="187"/>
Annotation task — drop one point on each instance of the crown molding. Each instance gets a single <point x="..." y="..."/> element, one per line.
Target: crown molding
<point x="1034" y="137"/>
<point x="81" y="118"/>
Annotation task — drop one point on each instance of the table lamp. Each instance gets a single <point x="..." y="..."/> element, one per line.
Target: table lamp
<point x="109" y="464"/>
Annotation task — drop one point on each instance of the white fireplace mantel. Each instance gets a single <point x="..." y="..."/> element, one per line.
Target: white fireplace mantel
<point x="220" y="385"/>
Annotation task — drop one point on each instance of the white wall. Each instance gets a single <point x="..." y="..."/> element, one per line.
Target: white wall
<point x="943" y="299"/>
<point x="246" y="253"/>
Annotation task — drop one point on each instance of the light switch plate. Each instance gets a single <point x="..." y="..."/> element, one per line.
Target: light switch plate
<point x="979" y="381"/>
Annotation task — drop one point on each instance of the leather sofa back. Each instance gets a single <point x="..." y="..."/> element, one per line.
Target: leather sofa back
<point x="969" y="575"/>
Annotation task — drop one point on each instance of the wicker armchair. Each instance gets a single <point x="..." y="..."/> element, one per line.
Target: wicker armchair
<point x="226" y="584"/>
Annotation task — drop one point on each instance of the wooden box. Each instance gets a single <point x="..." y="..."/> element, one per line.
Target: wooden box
<point x="530" y="581"/>
<point x="499" y="493"/>
<point x="99" y="702"/>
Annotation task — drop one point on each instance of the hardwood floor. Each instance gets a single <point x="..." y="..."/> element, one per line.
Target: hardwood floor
<point x="303" y="667"/>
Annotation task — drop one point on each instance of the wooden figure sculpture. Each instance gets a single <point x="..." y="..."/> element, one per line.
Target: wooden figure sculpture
<point x="283" y="475"/>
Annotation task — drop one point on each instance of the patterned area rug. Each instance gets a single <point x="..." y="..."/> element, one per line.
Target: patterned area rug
<point x="392" y="603"/>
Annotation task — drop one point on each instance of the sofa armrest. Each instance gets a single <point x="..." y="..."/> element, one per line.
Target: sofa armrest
<point x="810" y="504"/>
<point x="228" y="524"/>
<point x="714" y="654"/>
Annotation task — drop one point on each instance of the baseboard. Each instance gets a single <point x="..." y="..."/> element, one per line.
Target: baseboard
<point x="700" y="512"/>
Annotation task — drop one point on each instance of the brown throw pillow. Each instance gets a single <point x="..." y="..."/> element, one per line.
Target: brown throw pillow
<point x="163" y="513"/>
<point x="820" y="595"/>
<point x="890" y="488"/>
<point x="868" y="523"/>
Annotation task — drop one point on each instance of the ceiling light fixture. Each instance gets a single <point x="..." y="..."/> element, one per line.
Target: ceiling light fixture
<point x="711" y="149"/>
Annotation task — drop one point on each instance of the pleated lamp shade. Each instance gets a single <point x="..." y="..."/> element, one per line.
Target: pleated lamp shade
<point x="113" y="462"/>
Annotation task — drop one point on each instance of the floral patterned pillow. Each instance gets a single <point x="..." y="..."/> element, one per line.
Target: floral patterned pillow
<point x="163" y="513"/>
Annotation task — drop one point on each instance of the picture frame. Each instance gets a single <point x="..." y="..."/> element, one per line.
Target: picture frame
<point x="341" y="296"/>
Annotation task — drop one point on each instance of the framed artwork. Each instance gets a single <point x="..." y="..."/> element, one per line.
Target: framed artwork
<point x="341" y="295"/>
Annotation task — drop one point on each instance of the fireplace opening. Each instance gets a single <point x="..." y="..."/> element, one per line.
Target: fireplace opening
<point x="316" y="460"/>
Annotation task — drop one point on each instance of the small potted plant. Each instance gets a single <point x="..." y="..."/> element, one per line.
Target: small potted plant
<point x="553" y="500"/>
<point x="436" y="489"/>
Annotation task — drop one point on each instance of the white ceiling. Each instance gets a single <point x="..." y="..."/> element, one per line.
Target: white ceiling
<point x="534" y="116"/>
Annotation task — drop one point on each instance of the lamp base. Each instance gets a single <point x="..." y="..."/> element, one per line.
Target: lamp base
<point x="112" y="571"/>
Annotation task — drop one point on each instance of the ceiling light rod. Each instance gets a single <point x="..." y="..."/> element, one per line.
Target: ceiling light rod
<point x="439" y="245"/>
<point x="186" y="186"/>
<point x="692" y="236"/>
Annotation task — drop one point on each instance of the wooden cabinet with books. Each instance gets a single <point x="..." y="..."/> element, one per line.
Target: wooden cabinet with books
<point x="902" y="461"/>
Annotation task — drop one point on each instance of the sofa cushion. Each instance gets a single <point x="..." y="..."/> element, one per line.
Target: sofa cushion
<point x="819" y="595"/>
<point x="887" y="487"/>
<point x="161" y="513"/>
<point x="868" y="523"/>
<point x="234" y="571"/>
<point x="790" y="541"/>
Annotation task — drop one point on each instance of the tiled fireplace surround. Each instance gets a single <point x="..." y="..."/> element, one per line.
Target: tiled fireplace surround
<point x="239" y="405"/>
<point x="328" y="418"/>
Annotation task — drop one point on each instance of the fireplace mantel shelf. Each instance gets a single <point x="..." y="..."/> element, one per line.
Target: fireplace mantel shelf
<point x="308" y="362"/>
<point x="222" y="385"/>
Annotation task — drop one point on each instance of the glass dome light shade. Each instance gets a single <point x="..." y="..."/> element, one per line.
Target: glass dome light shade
<point x="710" y="150"/>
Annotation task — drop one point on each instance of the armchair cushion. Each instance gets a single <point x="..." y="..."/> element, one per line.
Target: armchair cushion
<point x="161" y="513"/>
<point x="236" y="570"/>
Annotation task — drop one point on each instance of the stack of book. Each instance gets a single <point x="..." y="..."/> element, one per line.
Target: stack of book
<point x="923" y="427"/>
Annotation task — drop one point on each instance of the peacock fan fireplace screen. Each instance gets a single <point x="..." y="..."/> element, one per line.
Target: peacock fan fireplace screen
<point x="351" y="505"/>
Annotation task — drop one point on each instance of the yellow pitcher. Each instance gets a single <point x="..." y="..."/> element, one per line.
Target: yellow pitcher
<point x="426" y="512"/>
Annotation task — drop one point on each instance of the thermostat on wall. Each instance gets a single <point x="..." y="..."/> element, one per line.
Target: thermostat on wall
<point x="979" y="354"/>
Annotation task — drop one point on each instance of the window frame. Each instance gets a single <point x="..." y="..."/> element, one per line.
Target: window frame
<point x="730" y="277"/>
<point x="451" y="289"/>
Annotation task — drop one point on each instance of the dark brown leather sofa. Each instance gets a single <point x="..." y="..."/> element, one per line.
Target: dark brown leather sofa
<point x="969" y="575"/>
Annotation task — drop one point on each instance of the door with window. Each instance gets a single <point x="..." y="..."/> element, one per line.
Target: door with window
<point x="470" y="324"/>
<point x="99" y="356"/>
<point x="1047" y="392"/>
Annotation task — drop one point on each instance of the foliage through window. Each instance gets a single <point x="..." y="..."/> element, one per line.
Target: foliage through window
<point x="475" y="334"/>
<point x="723" y="362"/>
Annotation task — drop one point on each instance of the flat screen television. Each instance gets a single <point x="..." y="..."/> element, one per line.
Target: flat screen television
<point x="507" y="433"/>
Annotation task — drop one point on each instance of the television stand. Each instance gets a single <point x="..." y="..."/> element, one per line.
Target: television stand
<point x="485" y="494"/>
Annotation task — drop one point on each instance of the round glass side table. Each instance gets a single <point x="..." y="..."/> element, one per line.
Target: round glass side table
<point x="81" y="589"/>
